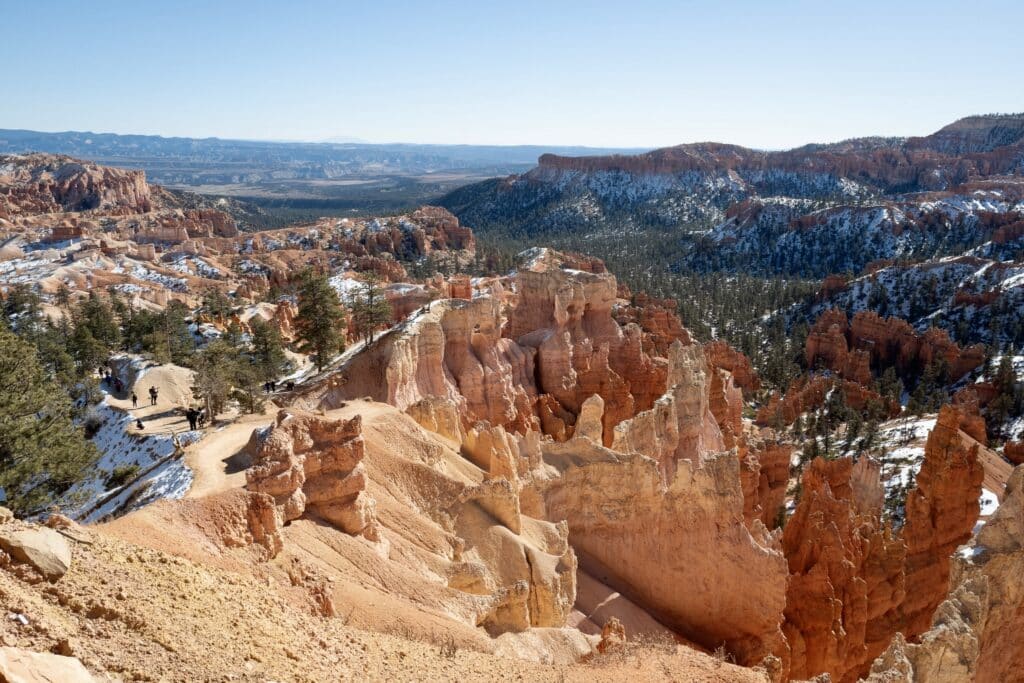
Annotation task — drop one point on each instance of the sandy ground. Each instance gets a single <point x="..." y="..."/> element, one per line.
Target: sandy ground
<point x="135" y="614"/>
<point x="217" y="461"/>
<point x="188" y="586"/>
<point x="174" y="384"/>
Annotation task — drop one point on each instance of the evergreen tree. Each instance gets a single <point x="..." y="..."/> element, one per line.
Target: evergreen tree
<point x="216" y="304"/>
<point x="370" y="310"/>
<point x="216" y="368"/>
<point x="247" y="382"/>
<point x="320" y="321"/>
<point x="165" y="335"/>
<point x="22" y="308"/>
<point x="63" y="296"/>
<point x="96" y="316"/>
<point x="42" y="452"/>
<point x="268" y="354"/>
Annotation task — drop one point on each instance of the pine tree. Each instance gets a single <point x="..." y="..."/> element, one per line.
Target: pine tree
<point x="320" y="321"/>
<point x="63" y="296"/>
<point x="216" y="368"/>
<point x="42" y="452"/>
<point x="98" y="318"/>
<point x="246" y="379"/>
<point x="267" y="351"/>
<point x="370" y="310"/>
<point x="216" y="304"/>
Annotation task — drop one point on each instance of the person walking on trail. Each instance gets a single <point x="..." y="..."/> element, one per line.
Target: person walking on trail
<point x="139" y="425"/>
<point x="152" y="396"/>
<point x="192" y="415"/>
<point x="135" y="400"/>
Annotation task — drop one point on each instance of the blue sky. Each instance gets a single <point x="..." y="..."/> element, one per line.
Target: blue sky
<point x="768" y="74"/>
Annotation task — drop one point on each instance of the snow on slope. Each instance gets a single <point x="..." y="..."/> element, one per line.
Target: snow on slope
<point x="159" y="475"/>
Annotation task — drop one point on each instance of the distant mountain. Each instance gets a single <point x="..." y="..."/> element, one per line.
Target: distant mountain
<point x="194" y="161"/>
<point x="819" y="202"/>
<point x="930" y="228"/>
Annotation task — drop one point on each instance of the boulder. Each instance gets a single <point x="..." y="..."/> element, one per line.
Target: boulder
<point x="613" y="636"/>
<point x="45" y="549"/>
<point x="24" y="666"/>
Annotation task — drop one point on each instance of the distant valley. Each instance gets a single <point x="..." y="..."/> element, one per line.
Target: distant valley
<point x="297" y="180"/>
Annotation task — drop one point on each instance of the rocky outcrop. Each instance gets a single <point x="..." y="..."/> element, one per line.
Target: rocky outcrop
<point x="1014" y="452"/>
<point x="940" y="514"/>
<point x="946" y="653"/>
<point x="764" y="459"/>
<point x="438" y="415"/>
<point x="45" y="550"/>
<point x="849" y="348"/>
<point x="809" y="392"/>
<point x="657" y="318"/>
<point x="723" y="356"/>
<point x="284" y="319"/>
<point x="892" y="341"/>
<point x="846" y="581"/>
<point x="639" y="532"/>
<point x="47" y="183"/>
<point x="559" y="346"/>
<point x="312" y="465"/>
<point x="764" y="476"/>
<point x="975" y="632"/>
<point x="855" y="583"/>
<point x="681" y="425"/>
<point x="1002" y="563"/>
<point x="23" y="666"/>
<point x="613" y="636"/>
<point x="827" y="346"/>
<point x="668" y="489"/>
<point x="455" y="352"/>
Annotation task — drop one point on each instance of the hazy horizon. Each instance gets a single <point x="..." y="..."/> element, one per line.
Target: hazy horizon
<point x="764" y="76"/>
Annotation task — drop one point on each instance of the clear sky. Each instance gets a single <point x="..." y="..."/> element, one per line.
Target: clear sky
<point x="768" y="74"/>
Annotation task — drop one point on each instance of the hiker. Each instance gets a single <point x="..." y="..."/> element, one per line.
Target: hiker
<point x="118" y="385"/>
<point x="273" y="385"/>
<point x="290" y="386"/>
<point x="135" y="400"/>
<point x="152" y="395"/>
<point x="266" y="387"/>
<point x="139" y="425"/>
<point x="192" y="415"/>
<point x="202" y="419"/>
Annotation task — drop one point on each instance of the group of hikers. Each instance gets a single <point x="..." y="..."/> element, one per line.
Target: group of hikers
<point x="196" y="417"/>
<point x="154" y="393"/>
<point x="108" y="378"/>
<point x="271" y="386"/>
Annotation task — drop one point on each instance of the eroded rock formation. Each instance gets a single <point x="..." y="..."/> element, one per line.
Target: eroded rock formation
<point x="855" y="583"/>
<point x="849" y="348"/>
<point x="847" y="580"/>
<point x="940" y="514"/>
<point x="558" y="346"/>
<point x="664" y="507"/>
<point x="48" y="183"/>
<point x="808" y="393"/>
<point x="312" y="465"/>
<point x="975" y="633"/>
